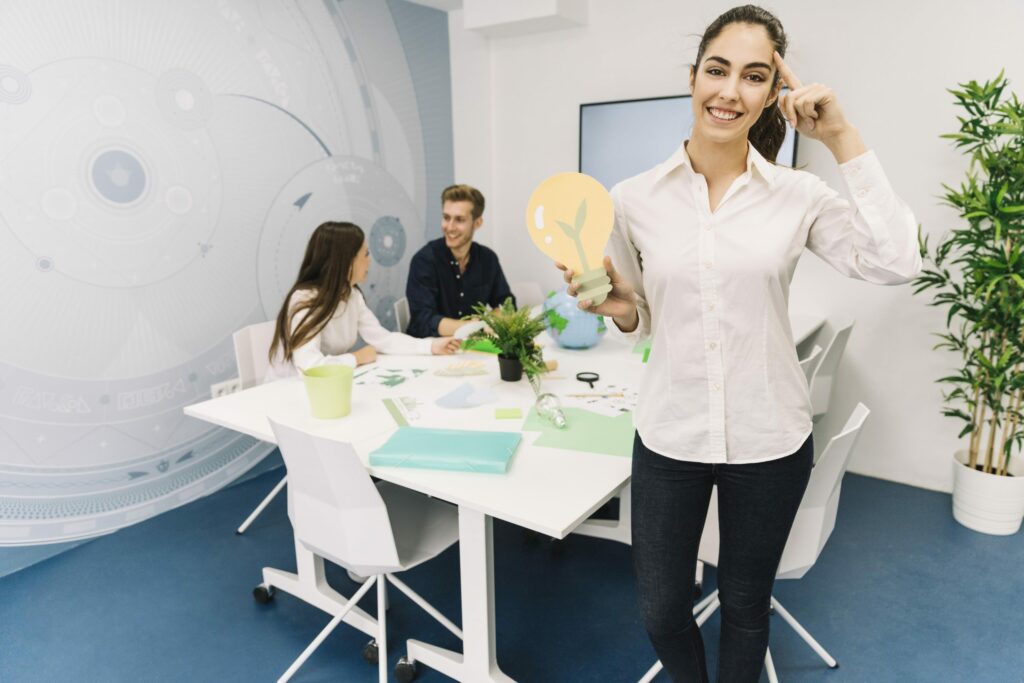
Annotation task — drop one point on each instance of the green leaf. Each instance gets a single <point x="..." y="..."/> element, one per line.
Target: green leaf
<point x="567" y="229"/>
<point x="581" y="216"/>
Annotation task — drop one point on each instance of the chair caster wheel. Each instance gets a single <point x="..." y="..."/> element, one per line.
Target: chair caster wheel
<point x="405" y="671"/>
<point x="698" y="590"/>
<point x="371" y="653"/>
<point x="263" y="593"/>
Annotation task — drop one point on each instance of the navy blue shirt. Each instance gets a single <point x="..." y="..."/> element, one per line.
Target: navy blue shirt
<point x="436" y="289"/>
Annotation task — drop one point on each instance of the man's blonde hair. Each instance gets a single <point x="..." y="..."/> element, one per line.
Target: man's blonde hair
<point x="465" y="193"/>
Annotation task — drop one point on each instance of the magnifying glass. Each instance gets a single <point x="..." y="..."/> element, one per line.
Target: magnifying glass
<point x="588" y="377"/>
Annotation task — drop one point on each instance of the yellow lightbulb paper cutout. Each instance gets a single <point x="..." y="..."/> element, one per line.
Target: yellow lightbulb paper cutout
<point x="570" y="218"/>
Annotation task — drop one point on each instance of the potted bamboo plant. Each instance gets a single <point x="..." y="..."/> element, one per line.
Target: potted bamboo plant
<point x="512" y="331"/>
<point x="976" y="274"/>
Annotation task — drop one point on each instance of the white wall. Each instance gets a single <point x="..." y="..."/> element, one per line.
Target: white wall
<point x="516" y="108"/>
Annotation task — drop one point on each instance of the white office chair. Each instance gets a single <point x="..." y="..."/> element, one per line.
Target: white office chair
<point x="402" y="314"/>
<point x="821" y="380"/>
<point x="812" y="527"/>
<point x="527" y="294"/>
<point x="373" y="530"/>
<point x="810" y="364"/>
<point x="252" y="345"/>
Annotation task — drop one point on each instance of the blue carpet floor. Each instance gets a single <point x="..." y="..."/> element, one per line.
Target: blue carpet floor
<point x="901" y="593"/>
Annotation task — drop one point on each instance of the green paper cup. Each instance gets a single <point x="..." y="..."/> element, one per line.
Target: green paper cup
<point x="329" y="388"/>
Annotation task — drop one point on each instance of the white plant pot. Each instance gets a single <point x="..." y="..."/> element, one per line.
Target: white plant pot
<point x="986" y="502"/>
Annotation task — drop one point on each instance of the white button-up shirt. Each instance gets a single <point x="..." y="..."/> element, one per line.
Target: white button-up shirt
<point x="723" y="383"/>
<point x="351" y="320"/>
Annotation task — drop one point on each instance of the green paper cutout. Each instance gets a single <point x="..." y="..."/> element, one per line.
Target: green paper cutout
<point x="395" y="412"/>
<point x="484" y="345"/>
<point x="388" y="377"/>
<point x="586" y="431"/>
<point x="508" y="413"/>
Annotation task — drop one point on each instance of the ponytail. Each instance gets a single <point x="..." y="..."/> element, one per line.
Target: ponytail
<point x="768" y="132"/>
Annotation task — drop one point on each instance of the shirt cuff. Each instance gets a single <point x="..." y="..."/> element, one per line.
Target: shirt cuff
<point x="435" y="320"/>
<point x="863" y="173"/>
<point x="873" y="195"/>
<point x="615" y="332"/>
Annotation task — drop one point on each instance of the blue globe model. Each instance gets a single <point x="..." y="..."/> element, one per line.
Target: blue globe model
<point x="568" y="325"/>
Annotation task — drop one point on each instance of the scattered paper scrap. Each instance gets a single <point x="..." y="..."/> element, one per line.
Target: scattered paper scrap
<point x="465" y="396"/>
<point x="462" y="369"/>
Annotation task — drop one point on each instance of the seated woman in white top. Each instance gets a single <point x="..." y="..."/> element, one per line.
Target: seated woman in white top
<point x="325" y="311"/>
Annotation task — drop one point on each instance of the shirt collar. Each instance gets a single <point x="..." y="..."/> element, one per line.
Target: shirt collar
<point x="443" y="252"/>
<point x="754" y="161"/>
<point x="764" y="167"/>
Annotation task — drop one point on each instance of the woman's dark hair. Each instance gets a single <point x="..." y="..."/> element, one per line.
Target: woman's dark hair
<point x="769" y="130"/>
<point x="325" y="271"/>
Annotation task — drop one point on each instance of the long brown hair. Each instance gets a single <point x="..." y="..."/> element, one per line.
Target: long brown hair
<point x="325" y="272"/>
<point x="769" y="131"/>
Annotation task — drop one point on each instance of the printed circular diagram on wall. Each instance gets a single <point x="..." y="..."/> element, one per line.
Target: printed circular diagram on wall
<point x="339" y="188"/>
<point x="129" y="203"/>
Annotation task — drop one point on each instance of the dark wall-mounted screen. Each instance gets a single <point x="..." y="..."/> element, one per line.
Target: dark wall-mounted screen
<point x="621" y="139"/>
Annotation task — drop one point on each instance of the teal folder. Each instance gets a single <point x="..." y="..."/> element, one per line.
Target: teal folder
<point x="448" y="449"/>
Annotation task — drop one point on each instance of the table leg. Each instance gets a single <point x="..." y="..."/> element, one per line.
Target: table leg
<point x="479" y="661"/>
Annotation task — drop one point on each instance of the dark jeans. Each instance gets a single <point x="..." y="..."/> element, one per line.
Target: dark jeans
<point x="757" y="503"/>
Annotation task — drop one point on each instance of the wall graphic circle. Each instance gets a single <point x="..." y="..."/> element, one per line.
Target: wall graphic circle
<point x="339" y="188"/>
<point x="150" y="205"/>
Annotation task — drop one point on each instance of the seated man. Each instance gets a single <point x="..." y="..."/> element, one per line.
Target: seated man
<point x="451" y="274"/>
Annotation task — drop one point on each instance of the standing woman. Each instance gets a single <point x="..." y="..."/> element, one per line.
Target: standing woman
<point x="325" y="312"/>
<point x="707" y="243"/>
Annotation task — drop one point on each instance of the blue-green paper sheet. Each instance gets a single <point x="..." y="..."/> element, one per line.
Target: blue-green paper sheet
<point x="455" y="450"/>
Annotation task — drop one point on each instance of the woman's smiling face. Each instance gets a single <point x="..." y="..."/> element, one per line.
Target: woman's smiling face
<point x="733" y="83"/>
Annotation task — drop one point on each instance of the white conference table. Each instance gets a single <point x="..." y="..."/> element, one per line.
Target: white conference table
<point x="533" y="493"/>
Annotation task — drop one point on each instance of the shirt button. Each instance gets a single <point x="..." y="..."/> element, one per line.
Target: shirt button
<point x="708" y="264"/>
<point x="458" y="277"/>
<point x="712" y="346"/>
<point x="462" y="294"/>
<point x="862" y="193"/>
<point x="716" y="386"/>
<point x="711" y="307"/>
